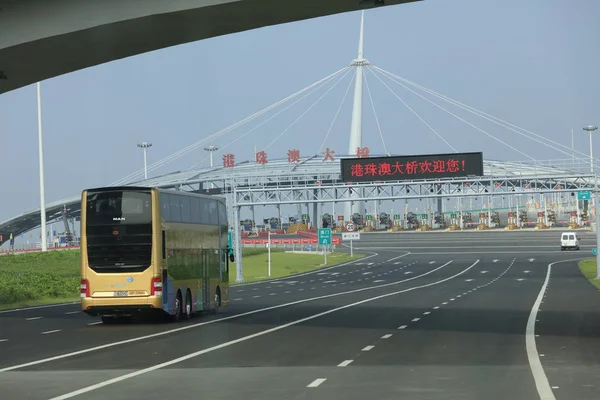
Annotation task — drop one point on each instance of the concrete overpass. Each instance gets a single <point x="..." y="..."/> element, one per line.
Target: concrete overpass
<point x="41" y="39"/>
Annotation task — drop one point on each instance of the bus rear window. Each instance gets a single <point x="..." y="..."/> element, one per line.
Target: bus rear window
<point x="119" y="207"/>
<point x="119" y="230"/>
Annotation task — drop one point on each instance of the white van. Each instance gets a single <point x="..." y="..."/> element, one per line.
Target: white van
<point x="569" y="240"/>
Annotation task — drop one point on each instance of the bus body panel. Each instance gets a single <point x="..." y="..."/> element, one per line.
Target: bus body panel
<point x="186" y="254"/>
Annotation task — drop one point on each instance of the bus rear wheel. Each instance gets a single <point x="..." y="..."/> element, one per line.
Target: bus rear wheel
<point x="177" y="316"/>
<point x="217" y="301"/>
<point x="188" y="305"/>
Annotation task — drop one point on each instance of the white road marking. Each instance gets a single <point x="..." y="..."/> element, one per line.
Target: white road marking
<point x="469" y="280"/>
<point x="238" y="299"/>
<point x="286" y="292"/>
<point x="38" y="307"/>
<point x="402" y="327"/>
<point x="72" y="312"/>
<point x="444" y="303"/>
<point x="366" y="273"/>
<point x="531" y="259"/>
<point x="249" y="337"/>
<point x="452" y="299"/>
<point x="378" y="280"/>
<point x="389" y="335"/>
<point x="415" y="319"/>
<point x="541" y="380"/>
<point x="427" y="313"/>
<point x="252" y="312"/>
<point x="316" y="382"/>
<point x="554" y="387"/>
<point x="368" y="348"/>
<point x="436" y="307"/>
<point x="526" y="272"/>
<point x="3" y="340"/>
<point x="520" y="279"/>
<point x="484" y="272"/>
<point x="495" y="261"/>
<point x="95" y="323"/>
<point x="272" y="294"/>
<point x="256" y="297"/>
<point x="431" y="262"/>
<point x="398" y="262"/>
<point x="53" y="331"/>
<point x="345" y="363"/>
<point x="32" y="318"/>
<point x="408" y="272"/>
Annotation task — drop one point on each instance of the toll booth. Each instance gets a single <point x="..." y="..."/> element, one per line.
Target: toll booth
<point x="523" y="218"/>
<point x="397" y="223"/>
<point x="541" y="221"/>
<point x="359" y="220"/>
<point x="411" y="221"/>
<point x="483" y="222"/>
<point x="327" y="221"/>
<point x="467" y="220"/>
<point x="438" y="220"/>
<point x="551" y="218"/>
<point x="573" y="223"/>
<point x="512" y="221"/>
<point x="495" y="219"/>
<point x="385" y="221"/>
<point x="454" y="222"/>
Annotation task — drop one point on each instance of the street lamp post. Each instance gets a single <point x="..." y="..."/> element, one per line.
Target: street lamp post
<point x="144" y="146"/>
<point x="41" y="162"/>
<point x="211" y="150"/>
<point x="591" y="129"/>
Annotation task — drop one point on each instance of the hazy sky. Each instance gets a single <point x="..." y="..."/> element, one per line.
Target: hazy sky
<point x="533" y="63"/>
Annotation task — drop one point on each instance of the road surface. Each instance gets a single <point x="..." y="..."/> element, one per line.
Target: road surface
<point x="484" y="315"/>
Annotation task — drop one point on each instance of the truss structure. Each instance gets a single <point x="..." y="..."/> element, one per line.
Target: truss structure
<point x="468" y="187"/>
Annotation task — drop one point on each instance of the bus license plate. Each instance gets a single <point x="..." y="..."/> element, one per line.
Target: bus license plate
<point x="121" y="294"/>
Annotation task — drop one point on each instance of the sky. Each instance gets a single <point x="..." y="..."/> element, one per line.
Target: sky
<point x="532" y="63"/>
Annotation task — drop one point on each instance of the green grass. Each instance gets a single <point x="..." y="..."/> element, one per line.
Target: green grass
<point x="588" y="269"/>
<point x="39" y="278"/>
<point x="283" y="264"/>
<point x="34" y="279"/>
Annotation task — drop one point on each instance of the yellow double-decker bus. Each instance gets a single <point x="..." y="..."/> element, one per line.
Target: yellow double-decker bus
<point x="147" y="250"/>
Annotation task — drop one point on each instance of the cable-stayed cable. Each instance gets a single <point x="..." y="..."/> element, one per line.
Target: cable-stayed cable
<point x="481" y="114"/>
<point x="414" y="112"/>
<point x="375" y="114"/>
<point x="337" y="112"/>
<point x="217" y="134"/>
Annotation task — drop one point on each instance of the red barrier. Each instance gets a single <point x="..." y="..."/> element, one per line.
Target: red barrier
<point x="335" y="240"/>
<point x="37" y="250"/>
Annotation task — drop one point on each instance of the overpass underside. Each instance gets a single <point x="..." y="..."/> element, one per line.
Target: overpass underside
<point x="44" y="39"/>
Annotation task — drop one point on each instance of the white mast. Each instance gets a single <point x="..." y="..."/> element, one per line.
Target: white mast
<point x="356" y="127"/>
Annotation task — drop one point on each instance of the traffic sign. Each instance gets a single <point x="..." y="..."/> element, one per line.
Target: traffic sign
<point x="324" y="236"/>
<point x="595" y="251"/>
<point x="584" y="195"/>
<point x="350" y="226"/>
<point x="350" y="236"/>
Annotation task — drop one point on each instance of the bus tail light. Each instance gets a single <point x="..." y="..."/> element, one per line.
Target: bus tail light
<point x="84" y="288"/>
<point x="156" y="287"/>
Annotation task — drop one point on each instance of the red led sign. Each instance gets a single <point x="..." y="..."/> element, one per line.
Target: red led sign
<point x="399" y="168"/>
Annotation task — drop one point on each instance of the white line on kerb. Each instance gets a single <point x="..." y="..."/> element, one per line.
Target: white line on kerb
<point x="541" y="380"/>
<point x="252" y="336"/>
<point x="183" y="328"/>
<point x="316" y="382"/>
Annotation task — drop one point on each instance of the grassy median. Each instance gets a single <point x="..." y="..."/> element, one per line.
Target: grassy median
<point x="588" y="268"/>
<point x="53" y="277"/>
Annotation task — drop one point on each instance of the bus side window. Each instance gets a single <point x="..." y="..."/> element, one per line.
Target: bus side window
<point x="164" y="245"/>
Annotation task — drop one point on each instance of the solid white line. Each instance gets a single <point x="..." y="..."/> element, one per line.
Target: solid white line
<point x="389" y="335"/>
<point x="54" y="331"/>
<point x="316" y="382"/>
<point x="368" y="348"/>
<point x="38" y="307"/>
<point x="183" y="328"/>
<point x="72" y="312"/>
<point x="345" y="363"/>
<point x="252" y="336"/>
<point x="32" y="318"/>
<point x="395" y="258"/>
<point x="541" y="380"/>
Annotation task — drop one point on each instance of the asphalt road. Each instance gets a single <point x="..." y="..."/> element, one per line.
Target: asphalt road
<point x="424" y="316"/>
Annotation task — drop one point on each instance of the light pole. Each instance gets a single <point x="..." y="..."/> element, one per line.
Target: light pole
<point x="144" y="146"/>
<point x="211" y="150"/>
<point x="591" y="129"/>
<point x="41" y="161"/>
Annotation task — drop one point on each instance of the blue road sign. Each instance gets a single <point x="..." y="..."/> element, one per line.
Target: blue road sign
<point x="324" y="236"/>
<point x="595" y="251"/>
<point x="584" y="195"/>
